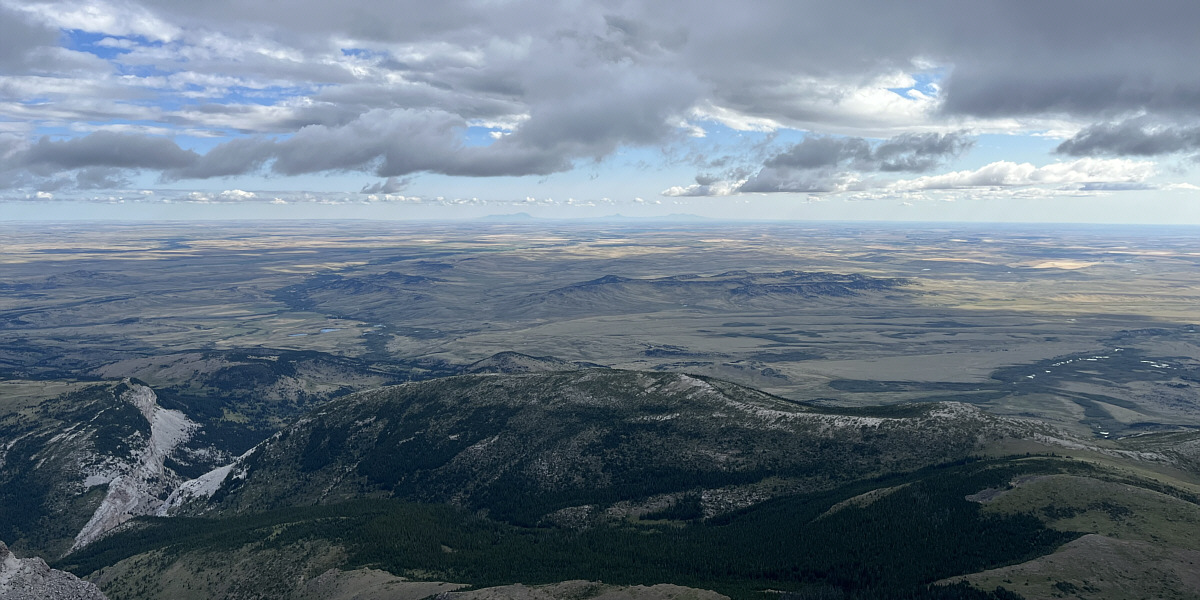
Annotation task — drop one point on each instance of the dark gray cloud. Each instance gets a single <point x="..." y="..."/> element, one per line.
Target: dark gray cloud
<point x="100" y="178"/>
<point x="822" y="152"/>
<point x="100" y="160"/>
<point x="1074" y="58"/>
<point x="92" y="178"/>
<point x="919" y="152"/>
<point x="106" y="149"/>
<point x="821" y="164"/>
<point x="20" y="36"/>
<point x="386" y="143"/>
<point x="403" y="142"/>
<point x="912" y="152"/>
<point x="1006" y="57"/>
<point x="388" y="87"/>
<point x="827" y="164"/>
<point x="235" y="157"/>
<point x="104" y="159"/>
<point x="770" y="181"/>
<point x="1133" y="137"/>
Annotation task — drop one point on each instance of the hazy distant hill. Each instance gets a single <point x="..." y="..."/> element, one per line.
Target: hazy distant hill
<point x="515" y="362"/>
<point x="613" y="294"/>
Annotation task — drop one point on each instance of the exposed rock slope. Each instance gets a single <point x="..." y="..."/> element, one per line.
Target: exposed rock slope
<point x="136" y="485"/>
<point x="84" y="462"/>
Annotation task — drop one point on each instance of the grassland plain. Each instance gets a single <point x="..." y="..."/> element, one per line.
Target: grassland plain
<point x="412" y="298"/>
<point x="1087" y="335"/>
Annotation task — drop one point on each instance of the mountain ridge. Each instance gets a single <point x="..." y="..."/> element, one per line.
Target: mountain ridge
<point x="526" y="447"/>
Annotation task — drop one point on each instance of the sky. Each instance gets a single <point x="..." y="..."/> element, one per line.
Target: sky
<point x="990" y="110"/>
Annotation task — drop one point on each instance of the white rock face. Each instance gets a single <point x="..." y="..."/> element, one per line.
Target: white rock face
<point x="33" y="579"/>
<point x="136" y="492"/>
<point x="203" y="486"/>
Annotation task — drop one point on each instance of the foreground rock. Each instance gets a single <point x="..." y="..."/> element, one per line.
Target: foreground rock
<point x="33" y="579"/>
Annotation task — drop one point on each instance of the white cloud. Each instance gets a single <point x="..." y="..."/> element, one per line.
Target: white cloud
<point x="115" y="19"/>
<point x="715" y="188"/>
<point x="733" y="119"/>
<point x="235" y="195"/>
<point x="111" y="42"/>
<point x="365" y="86"/>
<point x="1011" y="174"/>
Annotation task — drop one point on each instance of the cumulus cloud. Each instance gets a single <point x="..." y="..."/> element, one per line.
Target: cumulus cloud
<point x="349" y="86"/>
<point x="235" y="195"/>
<point x="908" y="152"/>
<point x="91" y="178"/>
<point x="1085" y="174"/>
<point x="917" y="152"/>
<point x="771" y="180"/>
<point x="1094" y="172"/>
<point x="386" y="143"/>
<point x="705" y="186"/>
<point x="106" y="149"/>
<point x="235" y="157"/>
<point x="99" y="160"/>
<point x="821" y="152"/>
<point x="759" y="62"/>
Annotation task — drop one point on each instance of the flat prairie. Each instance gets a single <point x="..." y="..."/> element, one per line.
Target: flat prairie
<point x="1089" y="327"/>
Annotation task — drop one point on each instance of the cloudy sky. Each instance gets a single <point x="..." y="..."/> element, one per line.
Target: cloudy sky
<point x="1073" y="110"/>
